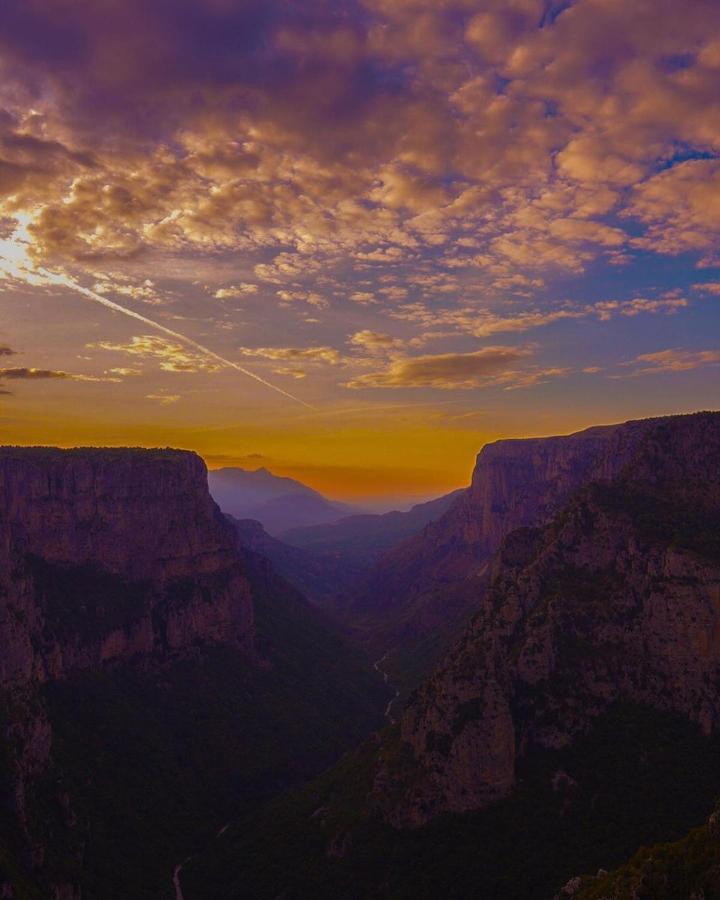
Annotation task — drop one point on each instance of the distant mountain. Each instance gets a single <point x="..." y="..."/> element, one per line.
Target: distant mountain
<point x="327" y="562"/>
<point x="320" y="575"/>
<point x="279" y="503"/>
<point x="362" y="539"/>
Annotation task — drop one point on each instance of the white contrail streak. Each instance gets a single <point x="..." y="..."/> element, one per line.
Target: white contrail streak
<point x="206" y="351"/>
<point x="15" y="262"/>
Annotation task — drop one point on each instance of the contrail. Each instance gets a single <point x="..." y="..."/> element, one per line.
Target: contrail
<point x="14" y="254"/>
<point x="206" y="351"/>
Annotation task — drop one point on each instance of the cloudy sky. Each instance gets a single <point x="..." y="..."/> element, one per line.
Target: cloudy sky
<point x="354" y="241"/>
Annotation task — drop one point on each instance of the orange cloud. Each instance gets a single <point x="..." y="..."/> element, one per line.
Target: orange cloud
<point x="674" y="360"/>
<point x="173" y="357"/>
<point x="488" y="367"/>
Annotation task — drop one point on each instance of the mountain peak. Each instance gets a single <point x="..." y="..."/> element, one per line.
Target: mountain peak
<point x="278" y="502"/>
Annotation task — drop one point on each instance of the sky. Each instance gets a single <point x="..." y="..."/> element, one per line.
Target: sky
<point x="354" y="240"/>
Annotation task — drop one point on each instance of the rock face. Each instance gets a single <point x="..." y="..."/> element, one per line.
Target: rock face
<point x="617" y="598"/>
<point x="107" y="556"/>
<point x="515" y="483"/>
<point x="126" y="544"/>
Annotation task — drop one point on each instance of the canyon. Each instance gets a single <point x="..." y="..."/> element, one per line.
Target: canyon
<point x="492" y="705"/>
<point x="617" y="597"/>
<point x="430" y="581"/>
<point x="590" y="567"/>
<point x="128" y="612"/>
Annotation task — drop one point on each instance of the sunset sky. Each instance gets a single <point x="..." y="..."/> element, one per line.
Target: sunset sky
<point x="419" y="224"/>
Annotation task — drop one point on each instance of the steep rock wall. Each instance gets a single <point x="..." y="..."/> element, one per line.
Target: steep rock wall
<point x="109" y="554"/>
<point x="618" y="598"/>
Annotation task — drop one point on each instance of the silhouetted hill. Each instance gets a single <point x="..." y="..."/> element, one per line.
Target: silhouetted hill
<point x="362" y="539"/>
<point x="279" y="503"/>
<point x="320" y="575"/>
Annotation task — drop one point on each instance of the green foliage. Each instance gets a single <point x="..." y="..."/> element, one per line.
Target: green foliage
<point x="638" y="776"/>
<point x="85" y="601"/>
<point x="684" y="870"/>
<point x="678" y="516"/>
<point x="158" y="757"/>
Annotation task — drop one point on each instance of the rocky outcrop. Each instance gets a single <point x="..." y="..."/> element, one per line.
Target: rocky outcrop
<point x="617" y="598"/>
<point x="688" y="869"/>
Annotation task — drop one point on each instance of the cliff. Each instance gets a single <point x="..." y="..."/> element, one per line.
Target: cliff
<point x="106" y="557"/>
<point x="123" y="550"/>
<point x="421" y="592"/>
<point x="576" y="718"/>
<point x="617" y="598"/>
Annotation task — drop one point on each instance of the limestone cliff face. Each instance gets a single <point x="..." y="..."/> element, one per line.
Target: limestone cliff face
<point x="515" y="483"/>
<point x="108" y="554"/>
<point x="617" y="598"/>
<point x="138" y="513"/>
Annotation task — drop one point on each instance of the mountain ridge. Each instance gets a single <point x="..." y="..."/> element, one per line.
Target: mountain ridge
<point x="276" y="501"/>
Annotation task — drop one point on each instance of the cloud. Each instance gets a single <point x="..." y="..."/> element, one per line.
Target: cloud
<point x="673" y="360"/>
<point x="290" y="372"/>
<point x="681" y="209"/>
<point x="708" y="287"/>
<point x="235" y="290"/>
<point x="606" y="309"/>
<point x="29" y="374"/>
<point x="515" y="134"/>
<point x="433" y="161"/>
<point x="310" y="297"/>
<point x="25" y="373"/>
<point x="145" y="291"/>
<point x="364" y="298"/>
<point x="7" y="351"/>
<point x="491" y="366"/>
<point x="305" y="354"/>
<point x="375" y="342"/>
<point x="165" y="399"/>
<point x="125" y="370"/>
<point x="174" y="357"/>
<point x="480" y="321"/>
